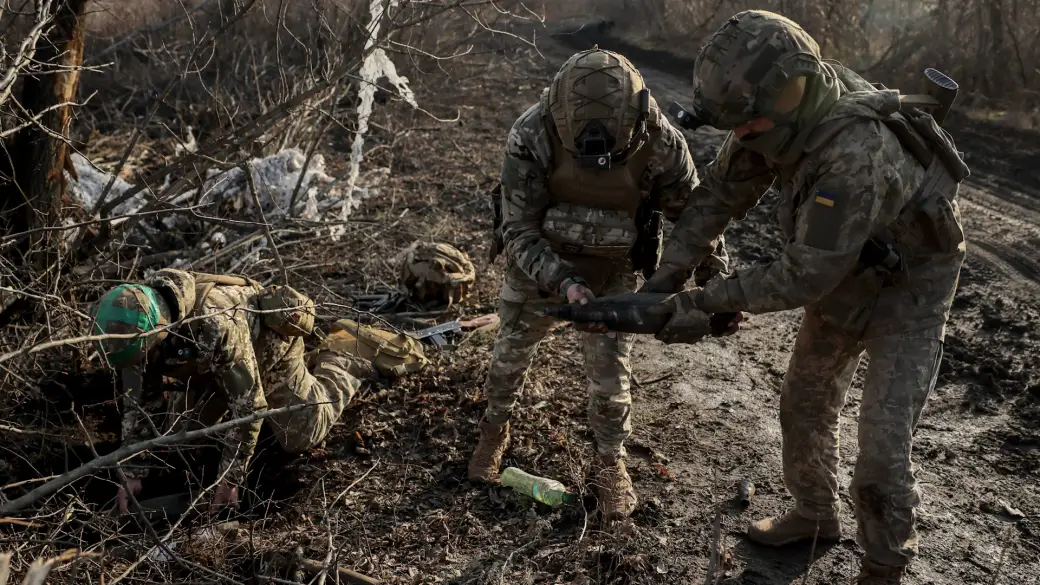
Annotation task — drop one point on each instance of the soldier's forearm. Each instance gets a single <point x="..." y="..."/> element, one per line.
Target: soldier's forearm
<point x="793" y="281"/>
<point x="696" y="232"/>
<point x="533" y="254"/>
<point x="239" y="445"/>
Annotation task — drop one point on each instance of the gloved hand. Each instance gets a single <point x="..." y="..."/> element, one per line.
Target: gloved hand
<point x="724" y="324"/>
<point x="689" y="323"/>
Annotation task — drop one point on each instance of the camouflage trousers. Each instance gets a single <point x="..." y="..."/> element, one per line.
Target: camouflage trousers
<point x="901" y="374"/>
<point x="607" y="368"/>
<point x="331" y="381"/>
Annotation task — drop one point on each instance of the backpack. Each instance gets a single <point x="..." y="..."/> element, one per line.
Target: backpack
<point x="392" y="354"/>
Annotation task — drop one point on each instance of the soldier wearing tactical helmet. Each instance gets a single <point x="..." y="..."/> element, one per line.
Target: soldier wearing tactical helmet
<point x="868" y="203"/>
<point x="588" y="172"/>
<point x="242" y="345"/>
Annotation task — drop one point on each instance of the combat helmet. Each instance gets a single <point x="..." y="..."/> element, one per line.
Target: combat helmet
<point x="130" y="309"/>
<point x="598" y="105"/>
<point x="746" y="69"/>
<point x="436" y="273"/>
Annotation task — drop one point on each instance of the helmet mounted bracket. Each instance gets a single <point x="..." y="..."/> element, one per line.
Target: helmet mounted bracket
<point x="594" y="144"/>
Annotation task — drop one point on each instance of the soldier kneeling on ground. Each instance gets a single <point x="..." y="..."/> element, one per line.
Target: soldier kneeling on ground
<point x="242" y="347"/>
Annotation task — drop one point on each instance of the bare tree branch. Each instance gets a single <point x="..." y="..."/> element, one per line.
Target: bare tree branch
<point x="118" y="455"/>
<point x="27" y="49"/>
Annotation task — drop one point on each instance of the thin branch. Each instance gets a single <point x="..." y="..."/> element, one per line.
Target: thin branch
<point x="87" y="338"/>
<point x="248" y="168"/>
<point x="35" y="120"/>
<point x="100" y="206"/>
<point x="812" y="553"/>
<point x="715" y="559"/>
<point x="149" y="29"/>
<point x="7" y="240"/>
<point x="118" y="455"/>
<point x="27" y="49"/>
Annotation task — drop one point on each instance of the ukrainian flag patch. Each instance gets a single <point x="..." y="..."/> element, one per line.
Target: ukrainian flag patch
<point x="824" y="198"/>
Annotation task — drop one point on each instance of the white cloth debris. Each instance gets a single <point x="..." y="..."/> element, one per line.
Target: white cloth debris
<point x="87" y="190"/>
<point x="275" y="177"/>
<point x="376" y="65"/>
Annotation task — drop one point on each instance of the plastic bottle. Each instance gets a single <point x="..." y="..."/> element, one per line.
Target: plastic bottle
<point x="547" y="491"/>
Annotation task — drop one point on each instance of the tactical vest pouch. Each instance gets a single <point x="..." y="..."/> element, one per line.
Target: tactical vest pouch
<point x="392" y="354"/>
<point x="287" y="311"/>
<point x="930" y="222"/>
<point x="576" y="229"/>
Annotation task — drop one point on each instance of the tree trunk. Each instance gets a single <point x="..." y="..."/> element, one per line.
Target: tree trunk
<point x="999" y="53"/>
<point x="34" y="159"/>
<point x="33" y="199"/>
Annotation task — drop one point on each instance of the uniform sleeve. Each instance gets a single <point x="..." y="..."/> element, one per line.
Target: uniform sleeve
<point x="138" y="405"/>
<point x="672" y="172"/>
<point x="525" y="198"/>
<point x="226" y="351"/>
<point x="839" y="214"/>
<point x="733" y="183"/>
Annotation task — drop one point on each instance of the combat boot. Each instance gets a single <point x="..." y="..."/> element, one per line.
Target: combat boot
<point x="484" y="464"/>
<point x="617" y="497"/>
<point x="875" y="574"/>
<point x="792" y="527"/>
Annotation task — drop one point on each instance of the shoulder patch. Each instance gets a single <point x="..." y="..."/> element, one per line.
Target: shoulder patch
<point x="824" y="198"/>
<point x="823" y="219"/>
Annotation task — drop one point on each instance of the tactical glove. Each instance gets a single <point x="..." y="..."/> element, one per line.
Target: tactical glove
<point x="688" y="323"/>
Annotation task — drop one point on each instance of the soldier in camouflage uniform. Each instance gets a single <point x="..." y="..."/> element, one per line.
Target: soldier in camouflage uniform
<point x="582" y="167"/>
<point x="874" y="250"/>
<point x="241" y="352"/>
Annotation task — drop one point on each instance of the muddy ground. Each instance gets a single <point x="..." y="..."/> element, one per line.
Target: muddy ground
<point x="705" y="415"/>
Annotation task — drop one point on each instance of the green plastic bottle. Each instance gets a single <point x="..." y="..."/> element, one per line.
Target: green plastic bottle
<point x="547" y="491"/>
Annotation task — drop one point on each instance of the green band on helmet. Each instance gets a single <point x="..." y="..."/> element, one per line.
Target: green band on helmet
<point x="109" y="313"/>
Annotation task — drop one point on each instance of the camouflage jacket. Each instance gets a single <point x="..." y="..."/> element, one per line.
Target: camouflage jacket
<point x="231" y="351"/>
<point x="850" y="188"/>
<point x="526" y="199"/>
